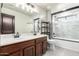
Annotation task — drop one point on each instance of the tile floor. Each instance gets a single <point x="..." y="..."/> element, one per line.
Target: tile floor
<point x="58" y="51"/>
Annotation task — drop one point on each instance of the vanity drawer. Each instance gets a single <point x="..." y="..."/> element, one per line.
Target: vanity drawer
<point x="6" y="50"/>
<point x="27" y="43"/>
<point x="38" y="40"/>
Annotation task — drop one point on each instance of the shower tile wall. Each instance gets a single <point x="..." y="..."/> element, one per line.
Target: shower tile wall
<point x="66" y="26"/>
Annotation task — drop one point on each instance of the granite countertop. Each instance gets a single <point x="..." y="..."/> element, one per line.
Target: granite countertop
<point x="11" y="40"/>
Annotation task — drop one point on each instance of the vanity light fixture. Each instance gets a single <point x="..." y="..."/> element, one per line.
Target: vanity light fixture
<point x="27" y="6"/>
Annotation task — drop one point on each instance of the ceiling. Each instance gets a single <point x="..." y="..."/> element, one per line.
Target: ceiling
<point x="46" y="6"/>
<point x="11" y="6"/>
<point x="42" y="6"/>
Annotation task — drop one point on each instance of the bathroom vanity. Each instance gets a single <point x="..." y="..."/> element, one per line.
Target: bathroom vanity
<point x="32" y="46"/>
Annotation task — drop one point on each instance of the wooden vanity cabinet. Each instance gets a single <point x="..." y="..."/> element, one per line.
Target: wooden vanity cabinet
<point x="29" y="51"/>
<point x="44" y="46"/>
<point x="26" y="48"/>
<point x="41" y="46"/>
<point x="32" y="47"/>
<point x="10" y="50"/>
<point x="39" y="49"/>
<point x="16" y="53"/>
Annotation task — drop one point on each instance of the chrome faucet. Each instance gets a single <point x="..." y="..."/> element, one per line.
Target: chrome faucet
<point x="16" y="35"/>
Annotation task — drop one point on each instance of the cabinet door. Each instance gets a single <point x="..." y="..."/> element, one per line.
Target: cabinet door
<point x="44" y="46"/>
<point x="7" y="24"/>
<point x="38" y="49"/>
<point x="29" y="51"/>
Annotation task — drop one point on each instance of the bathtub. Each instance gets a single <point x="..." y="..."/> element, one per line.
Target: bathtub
<point x="65" y="43"/>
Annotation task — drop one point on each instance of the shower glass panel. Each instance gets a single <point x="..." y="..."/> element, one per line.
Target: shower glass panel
<point x="66" y="26"/>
